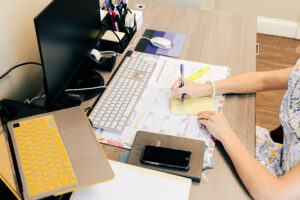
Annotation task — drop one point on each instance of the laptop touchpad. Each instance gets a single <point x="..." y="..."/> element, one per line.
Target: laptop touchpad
<point x="79" y="142"/>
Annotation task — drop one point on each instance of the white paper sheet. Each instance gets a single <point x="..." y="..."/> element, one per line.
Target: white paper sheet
<point x="136" y="183"/>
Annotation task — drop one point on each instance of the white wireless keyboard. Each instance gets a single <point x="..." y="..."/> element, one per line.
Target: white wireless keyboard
<point x="120" y="97"/>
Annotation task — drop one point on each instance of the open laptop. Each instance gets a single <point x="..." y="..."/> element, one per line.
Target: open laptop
<point x="55" y="153"/>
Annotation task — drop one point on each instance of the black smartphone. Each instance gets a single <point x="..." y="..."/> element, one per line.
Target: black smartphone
<point x="166" y="157"/>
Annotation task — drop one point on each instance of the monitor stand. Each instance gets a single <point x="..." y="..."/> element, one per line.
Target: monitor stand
<point x="85" y="78"/>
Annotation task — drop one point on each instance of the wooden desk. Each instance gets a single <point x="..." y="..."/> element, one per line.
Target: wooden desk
<point x="219" y="38"/>
<point x="214" y="37"/>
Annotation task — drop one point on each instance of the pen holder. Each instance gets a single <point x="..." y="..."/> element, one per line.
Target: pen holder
<point x="119" y="39"/>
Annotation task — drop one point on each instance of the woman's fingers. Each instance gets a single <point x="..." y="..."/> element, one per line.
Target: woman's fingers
<point x="206" y="114"/>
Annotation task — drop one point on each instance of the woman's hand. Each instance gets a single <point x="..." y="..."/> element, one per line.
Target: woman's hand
<point x="216" y="123"/>
<point x="190" y="89"/>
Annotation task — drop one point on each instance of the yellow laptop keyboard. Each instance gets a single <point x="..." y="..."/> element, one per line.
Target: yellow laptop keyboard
<point x="44" y="157"/>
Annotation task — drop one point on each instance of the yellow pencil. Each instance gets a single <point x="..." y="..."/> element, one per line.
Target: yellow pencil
<point x="198" y="73"/>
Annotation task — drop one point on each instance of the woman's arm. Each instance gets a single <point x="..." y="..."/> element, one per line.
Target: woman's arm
<point x="254" y="82"/>
<point x="244" y="83"/>
<point x="260" y="183"/>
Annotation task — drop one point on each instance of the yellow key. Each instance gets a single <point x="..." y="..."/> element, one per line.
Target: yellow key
<point x="61" y="170"/>
<point x="51" y="164"/>
<point x="45" y="173"/>
<point x="59" y="165"/>
<point x="23" y="155"/>
<point x="69" y="169"/>
<point x="34" y="163"/>
<point x="31" y="183"/>
<point x="37" y="173"/>
<point x="47" y="178"/>
<point x="67" y="164"/>
<point x="27" y="167"/>
<point x="54" y="175"/>
<point x="57" y="160"/>
<point x="52" y="170"/>
<point x="19" y="137"/>
<point x="35" y="167"/>
<point x="71" y="175"/>
<point x="32" y="190"/>
<point x="73" y="180"/>
<point x="32" y="157"/>
<point x="30" y="178"/>
<point x="36" y="121"/>
<point x="64" y="179"/>
<point x="39" y="178"/>
<point x="25" y="134"/>
<point x="56" y="156"/>
<point x="17" y="129"/>
<point x="28" y="172"/>
<point x="22" y="124"/>
<point x="35" y="143"/>
<point x="56" y="183"/>
<point x="38" y="152"/>
<point x="25" y="162"/>
<point x="49" y="186"/>
<point x="44" y="168"/>
<point x="41" y="189"/>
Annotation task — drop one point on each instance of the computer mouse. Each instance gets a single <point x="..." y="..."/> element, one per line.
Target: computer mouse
<point x="161" y="42"/>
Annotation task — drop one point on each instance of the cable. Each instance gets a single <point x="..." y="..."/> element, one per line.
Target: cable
<point x="81" y="89"/>
<point x="34" y="98"/>
<point x="134" y="43"/>
<point x="68" y="90"/>
<point x="19" y="65"/>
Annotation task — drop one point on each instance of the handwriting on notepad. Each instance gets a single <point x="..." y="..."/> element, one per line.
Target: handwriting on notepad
<point x="192" y="106"/>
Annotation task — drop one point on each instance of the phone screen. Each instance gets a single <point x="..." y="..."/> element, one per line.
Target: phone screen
<point x="161" y="156"/>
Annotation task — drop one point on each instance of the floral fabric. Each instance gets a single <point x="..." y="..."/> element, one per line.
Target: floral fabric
<point x="277" y="158"/>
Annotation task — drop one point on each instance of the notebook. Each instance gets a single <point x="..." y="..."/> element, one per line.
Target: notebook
<point x="136" y="183"/>
<point x="192" y="106"/>
<point x="55" y="153"/>
<point x="195" y="146"/>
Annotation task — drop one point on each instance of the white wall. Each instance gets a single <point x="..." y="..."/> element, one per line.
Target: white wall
<point x="279" y="9"/>
<point x="18" y="44"/>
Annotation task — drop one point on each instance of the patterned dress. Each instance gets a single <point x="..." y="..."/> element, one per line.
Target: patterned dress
<point x="280" y="158"/>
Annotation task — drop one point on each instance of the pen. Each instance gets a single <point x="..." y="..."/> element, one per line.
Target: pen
<point x="182" y="78"/>
<point x="198" y="73"/>
<point x="112" y="20"/>
<point x="107" y="4"/>
<point x="115" y="21"/>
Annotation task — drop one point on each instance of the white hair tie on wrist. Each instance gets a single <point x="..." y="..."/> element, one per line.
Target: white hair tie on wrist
<point x="213" y="88"/>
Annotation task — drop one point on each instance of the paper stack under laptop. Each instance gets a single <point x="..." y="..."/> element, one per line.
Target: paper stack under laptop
<point x="135" y="183"/>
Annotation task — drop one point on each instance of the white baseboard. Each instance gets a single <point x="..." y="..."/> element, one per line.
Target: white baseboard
<point x="285" y="28"/>
<point x="298" y="32"/>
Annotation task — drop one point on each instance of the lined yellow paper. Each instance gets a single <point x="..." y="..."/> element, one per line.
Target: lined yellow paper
<point x="192" y="106"/>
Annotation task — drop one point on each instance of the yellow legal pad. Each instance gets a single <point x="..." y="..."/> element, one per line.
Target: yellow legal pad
<point x="192" y="106"/>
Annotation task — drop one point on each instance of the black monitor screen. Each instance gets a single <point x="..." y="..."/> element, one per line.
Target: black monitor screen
<point x="65" y="29"/>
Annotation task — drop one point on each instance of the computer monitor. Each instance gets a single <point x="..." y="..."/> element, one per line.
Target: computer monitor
<point x="66" y="30"/>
